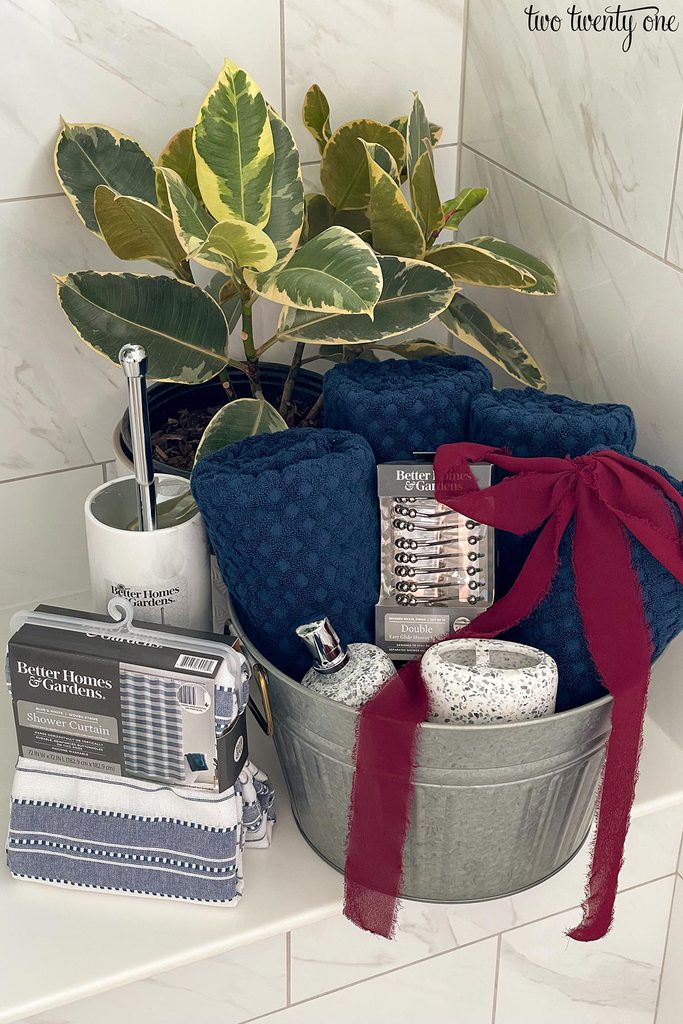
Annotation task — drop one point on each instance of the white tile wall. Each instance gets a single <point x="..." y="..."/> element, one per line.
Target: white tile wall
<point x="334" y="952"/>
<point x="456" y="987"/>
<point x="369" y="57"/>
<point x="226" y="989"/>
<point x="671" y="989"/>
<point x="611" y="333"/>
<point x="576" y="116"/>
<point x="142" y="66"/>
<point x="675" y="249"/>
<point x="544" y="976"/>
<point x="42" y="543"/>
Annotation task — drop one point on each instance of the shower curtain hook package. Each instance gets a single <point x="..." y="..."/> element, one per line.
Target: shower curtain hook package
<point x="144" y="701"/>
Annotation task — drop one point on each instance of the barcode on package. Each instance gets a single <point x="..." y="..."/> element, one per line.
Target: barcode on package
<point x="193" y="664"/>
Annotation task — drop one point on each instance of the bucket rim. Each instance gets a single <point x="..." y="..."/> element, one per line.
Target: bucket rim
<point x="559" y="717"/>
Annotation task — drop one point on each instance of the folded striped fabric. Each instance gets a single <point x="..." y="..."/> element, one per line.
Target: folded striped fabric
<point x="83" y="829"/>
<point x="258" y="806"/>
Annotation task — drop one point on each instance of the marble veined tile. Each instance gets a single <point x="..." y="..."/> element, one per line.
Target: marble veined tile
<point x="671" y="988"/>
<point x="544" y="976"/>
<point x="142" y="66"/>
<point x="456" y="988"/>
<point x="675" y="248"/>
<point x="575" y="115"/>
<point x="334" y="952"/>
<point x="368" y="57"/>
<point x="612" y="334"/>
<point x="42" y="547"/>
<point x="59" y="400"/>
<point x="226" y="989"/>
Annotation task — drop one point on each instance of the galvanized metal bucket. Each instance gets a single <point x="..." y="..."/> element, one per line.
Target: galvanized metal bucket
<point x="497" y="808"/>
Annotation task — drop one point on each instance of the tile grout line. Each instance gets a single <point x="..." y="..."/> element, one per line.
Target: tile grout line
<point x="494" y="1004"/>
<point x="666" y="948"/>
<point x="283" y="66"/>
<point x="451" y="949"/>
<point x="568" y="206"/>
<point x="673" y="188"/>
<point x="56" y="472"/>
<point x="288" y="953"/>
<point x="463" y="79"/>
<point x="39" y="195"/>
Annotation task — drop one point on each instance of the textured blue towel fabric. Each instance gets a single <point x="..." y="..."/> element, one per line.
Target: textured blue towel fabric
<point x="533" y="424"/>
<point x="294" y="523"/>
<point x="402" y="406"/>
<point x="555" y="626"/>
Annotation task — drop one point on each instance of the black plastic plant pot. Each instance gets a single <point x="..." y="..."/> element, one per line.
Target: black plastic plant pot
<point x="167" y="400"/>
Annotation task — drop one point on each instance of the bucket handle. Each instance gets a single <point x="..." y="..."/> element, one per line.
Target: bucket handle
<point x="265" y="717"/>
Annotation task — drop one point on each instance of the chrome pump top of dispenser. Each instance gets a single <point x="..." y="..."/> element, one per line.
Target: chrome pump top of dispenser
<point x="133" y="359"/>
<point x="324" y="645"/>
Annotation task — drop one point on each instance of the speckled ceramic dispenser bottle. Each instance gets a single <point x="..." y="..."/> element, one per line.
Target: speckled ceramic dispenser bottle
<point x="349" y="675"/>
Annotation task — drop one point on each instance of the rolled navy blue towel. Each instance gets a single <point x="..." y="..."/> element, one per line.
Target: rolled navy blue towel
<point x="555" y="626"/>
<point x="402" y="406"/>
<point x="533" y="424"/>
<point x="294" y="522"/>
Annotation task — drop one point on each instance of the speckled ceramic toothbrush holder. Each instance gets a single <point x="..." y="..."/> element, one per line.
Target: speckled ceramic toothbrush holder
<point x="485" y="682"/>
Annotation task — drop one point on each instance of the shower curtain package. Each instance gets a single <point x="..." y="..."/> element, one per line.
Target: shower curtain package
<point x="140" y="702"/>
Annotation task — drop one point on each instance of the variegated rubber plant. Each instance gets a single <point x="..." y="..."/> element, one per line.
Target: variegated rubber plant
<point x="352" y="268"/>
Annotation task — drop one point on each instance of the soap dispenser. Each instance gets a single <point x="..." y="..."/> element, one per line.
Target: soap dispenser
<point x="349" y="675"/>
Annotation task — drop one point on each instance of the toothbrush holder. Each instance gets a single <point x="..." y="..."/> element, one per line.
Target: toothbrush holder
<point x="165" y="573"/>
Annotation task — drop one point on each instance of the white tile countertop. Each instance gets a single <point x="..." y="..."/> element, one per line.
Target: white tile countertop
<point x="58" y="946"/>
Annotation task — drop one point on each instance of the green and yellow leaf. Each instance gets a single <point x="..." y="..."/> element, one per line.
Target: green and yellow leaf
<point x="435" y="130"/>
<point x="545" y="282"/>
<point x="234" y="150"/>
<point x="88" y="155"/>
<point x="191" y="220"/>
<point x="455" y="210"/>
<point x="344" y="166"/>
<point x="417" y="136"/>
<point x="395" y="231"/>
<point x="319" y="215"/>
<point x="181" y="327"/>
<point x="286" y="220"/>
<point x="316" y="115"/>
<point x="242" y="244"/>
<point x="413" y="293"/>
<point x="470" y="265"/>
<point x="136" y="230"/>
<point x="384" y="159"/>
<point x="335" y="272"/>
<point x="178" y="155"/>
<point x="480" y="331"/>
<point x="425" y="196"/>
<point x="417" y="348"/>
<point x="243" y="417"/>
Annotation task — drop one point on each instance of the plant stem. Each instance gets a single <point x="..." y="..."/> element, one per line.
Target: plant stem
<point x="291" y="378"/>
<point x="313" y="412"/>
<point x="227" y="384"/>
<point x="252" y="366"/>
<point x="266" y="345"/>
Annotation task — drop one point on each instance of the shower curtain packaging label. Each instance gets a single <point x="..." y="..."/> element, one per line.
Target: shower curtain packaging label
<point x="117" y="704"/>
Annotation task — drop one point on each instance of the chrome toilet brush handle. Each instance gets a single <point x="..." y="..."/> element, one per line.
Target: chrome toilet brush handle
<point x="133" y="359"/>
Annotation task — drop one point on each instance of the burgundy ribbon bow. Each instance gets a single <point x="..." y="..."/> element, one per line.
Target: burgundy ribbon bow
<point x="609" y="496"/>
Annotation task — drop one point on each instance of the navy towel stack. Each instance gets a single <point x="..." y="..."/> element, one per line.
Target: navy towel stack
<point x="402" y="406"/>
<point x="294" y="523"/>
<point x="555" y="626"/>
<point x="532" y="424"/>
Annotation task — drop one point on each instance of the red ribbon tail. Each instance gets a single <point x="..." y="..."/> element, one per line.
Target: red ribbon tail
<point x="619" y="641"/>
<point x="614" y="813"/>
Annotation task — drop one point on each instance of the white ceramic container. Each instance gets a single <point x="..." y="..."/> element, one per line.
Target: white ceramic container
<point x="165" y="574"/>
<point x="483" y="682"/>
